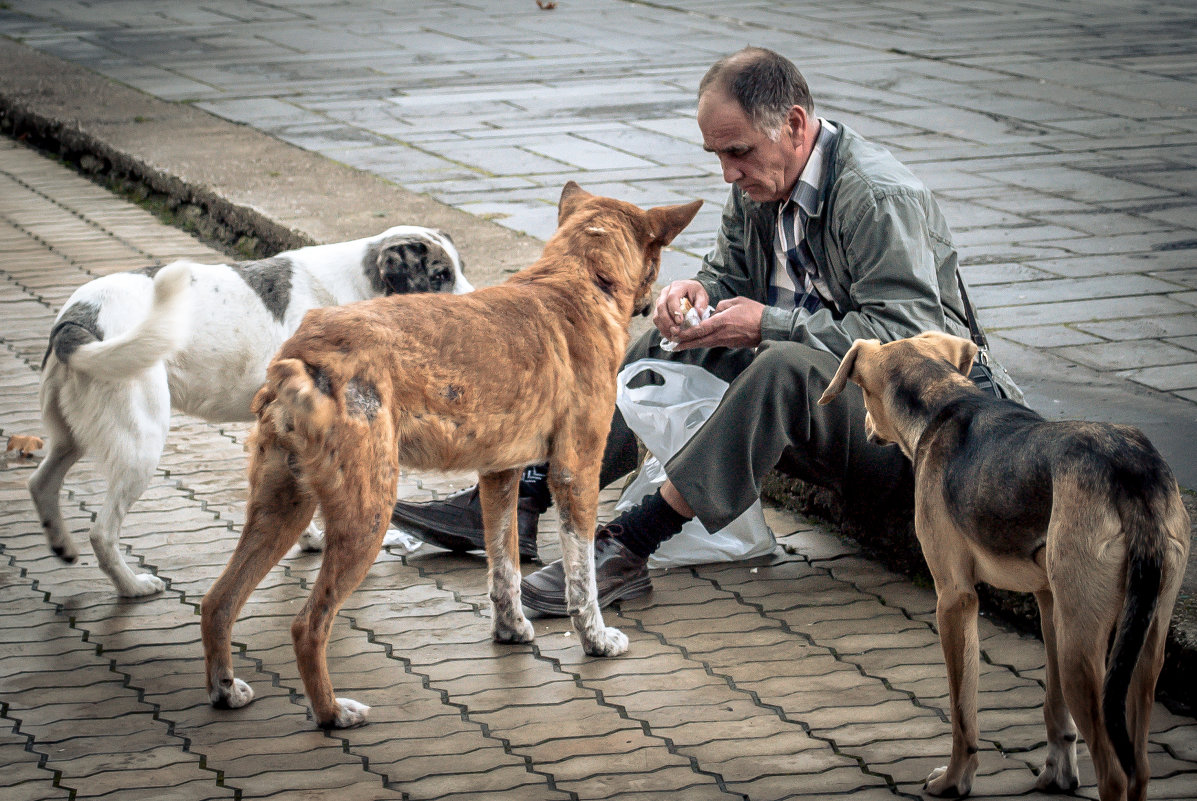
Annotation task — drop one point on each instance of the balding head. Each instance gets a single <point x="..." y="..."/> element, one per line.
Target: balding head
<point x="764" y="83"/>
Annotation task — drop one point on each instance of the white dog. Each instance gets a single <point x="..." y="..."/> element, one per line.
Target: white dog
<point x="128" y="347"/>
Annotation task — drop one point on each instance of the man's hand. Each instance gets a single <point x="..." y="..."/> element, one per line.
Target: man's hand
<point x="667" y="314"/>
<point x="735" y="323"/>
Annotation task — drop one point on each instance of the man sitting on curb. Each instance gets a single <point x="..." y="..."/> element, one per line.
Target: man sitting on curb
<point x="825" y="239"/>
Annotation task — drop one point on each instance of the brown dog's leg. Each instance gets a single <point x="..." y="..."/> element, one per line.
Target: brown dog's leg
<point x="576" y="494"/>
<point x="498" y="495"/>
<point x="956" y="615"/>
<point x="1059" y="774"/>
<point x="276" y="514"/>
<point x="356" y="490"/>
<point x="1082" y="661"/>
<point x="1140" y="697"/>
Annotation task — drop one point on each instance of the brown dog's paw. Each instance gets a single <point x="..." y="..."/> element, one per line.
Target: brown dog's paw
<point x="350" y="714"/>
<point x="942" y="784"/>
<point x="24" y="445"/>
<point x="605" y="642"/>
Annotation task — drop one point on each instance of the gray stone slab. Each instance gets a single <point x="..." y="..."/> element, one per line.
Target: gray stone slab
<point x="1106" y="356"/>
<point x="1049" y="336"/>
<point x="1172" y="377"/>
<point x="1082" y="311"/>
<point x="1067" y="289"/>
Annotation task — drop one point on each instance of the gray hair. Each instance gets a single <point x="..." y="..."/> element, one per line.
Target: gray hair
<point x="765" y="84"/>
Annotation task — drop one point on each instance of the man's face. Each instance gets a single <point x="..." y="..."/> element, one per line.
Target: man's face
<point x="764" y="169"/>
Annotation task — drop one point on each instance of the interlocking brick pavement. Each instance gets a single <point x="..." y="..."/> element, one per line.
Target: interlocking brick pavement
<point x="813" y="673"/>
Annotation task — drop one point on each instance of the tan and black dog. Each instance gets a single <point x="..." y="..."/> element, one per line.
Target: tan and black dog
<point x="492" y="381"/>
<point x="1086" y="516"/>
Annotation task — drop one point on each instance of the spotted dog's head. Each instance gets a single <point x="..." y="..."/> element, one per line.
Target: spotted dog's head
<point x="410" y="259"/>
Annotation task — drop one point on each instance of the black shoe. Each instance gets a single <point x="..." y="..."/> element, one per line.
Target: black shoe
<point x="620" y="575"/>
<point x="455" y="523"/>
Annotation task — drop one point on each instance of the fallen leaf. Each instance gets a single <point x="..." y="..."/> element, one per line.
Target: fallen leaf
<point x="24" y="445"/>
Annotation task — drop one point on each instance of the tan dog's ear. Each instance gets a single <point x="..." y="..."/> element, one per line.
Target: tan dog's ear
<point x="667" y="222"/>
<point x="847" y="368"/>
<point x="572" y="196"/>
<point x="952" y="349"/>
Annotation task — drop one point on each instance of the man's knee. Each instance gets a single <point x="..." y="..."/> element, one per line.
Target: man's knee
<point x="792" y="368"/>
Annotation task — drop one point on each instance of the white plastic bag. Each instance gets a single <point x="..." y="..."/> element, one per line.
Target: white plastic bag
<point x="664" y="416"/>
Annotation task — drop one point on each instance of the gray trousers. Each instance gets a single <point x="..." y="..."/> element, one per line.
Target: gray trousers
<point x="769" y="418"/>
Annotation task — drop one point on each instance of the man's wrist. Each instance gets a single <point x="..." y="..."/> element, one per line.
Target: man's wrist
<point x="778" y="323"/>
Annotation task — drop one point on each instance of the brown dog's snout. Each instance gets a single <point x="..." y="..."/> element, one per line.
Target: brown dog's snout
<point x="871" y="431"/>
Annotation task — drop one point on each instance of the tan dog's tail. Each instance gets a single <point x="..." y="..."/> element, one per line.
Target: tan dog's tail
<point x="1145" y="507"/>
<point x="297" y="401"/>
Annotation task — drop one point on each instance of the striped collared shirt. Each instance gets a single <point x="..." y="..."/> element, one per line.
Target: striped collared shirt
<point x="796" y="281"/>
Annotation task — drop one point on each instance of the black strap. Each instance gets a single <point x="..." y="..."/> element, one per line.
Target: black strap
<point x="973" y="326"/>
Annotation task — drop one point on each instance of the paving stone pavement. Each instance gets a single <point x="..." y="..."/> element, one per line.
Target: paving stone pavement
<point x="810" y="674"/>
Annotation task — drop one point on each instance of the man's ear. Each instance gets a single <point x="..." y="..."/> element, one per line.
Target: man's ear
<point x="572" y="196"/>
<point x="846" y="371"/>
<point x="796" y="118"/>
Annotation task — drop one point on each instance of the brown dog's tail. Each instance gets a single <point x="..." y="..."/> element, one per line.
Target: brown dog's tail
<point x="297" y="401"/>
<point x="1141" y="495"/>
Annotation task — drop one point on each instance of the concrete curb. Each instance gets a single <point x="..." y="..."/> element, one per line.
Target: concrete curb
<point x="256" y="195"/>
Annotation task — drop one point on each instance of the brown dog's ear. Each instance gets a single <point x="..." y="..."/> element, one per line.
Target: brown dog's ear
<point x="954" y="350"/>
<point x="572" y="196"/>
<point x="847" y="368"/>
<point x="666" y="222"/>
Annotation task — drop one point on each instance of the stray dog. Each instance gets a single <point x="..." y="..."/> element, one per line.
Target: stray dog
<point x="197" y="337"/>
<point x="1086" y="516"/>
<point x="507" y="376"/>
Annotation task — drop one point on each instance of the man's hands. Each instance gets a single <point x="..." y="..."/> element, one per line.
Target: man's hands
<point x="735" y="323"/>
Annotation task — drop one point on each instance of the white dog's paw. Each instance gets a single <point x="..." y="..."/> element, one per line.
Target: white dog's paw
<point x="940" y="783"/>
<point x="519" y="630"/>
<point x="63" y="547"/>
<point x="232" y="696"/>
<point x="349" y="714"/>
<point x="605" y="642"/>
<point x="141" y="585"/>
<point x="311" y="540"/>
<point x="400" y="540"/>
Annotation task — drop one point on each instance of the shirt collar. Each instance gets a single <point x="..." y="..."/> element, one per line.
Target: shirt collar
<point x="806" y="192"/>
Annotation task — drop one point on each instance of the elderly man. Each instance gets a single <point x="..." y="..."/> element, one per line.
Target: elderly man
<point x="826" y="238"/>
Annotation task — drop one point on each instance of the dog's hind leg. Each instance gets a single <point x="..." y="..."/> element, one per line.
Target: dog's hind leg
<point x="276" y="513"/>
<point x="1059" y="773"/>
<point x="576" y="496"/>
<point x="1141" y="696"/>
<point x="45" y="485"/>
<point x="127" y="442"/>
<point x="956" y="616"/>
<point x="1082" y="633"/>
<point x="356" y="488"/>
<point x="498" y="495"/>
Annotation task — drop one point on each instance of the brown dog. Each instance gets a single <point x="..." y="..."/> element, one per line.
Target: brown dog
<point x="1085" y="515"/>
<point x="507" y="376"/>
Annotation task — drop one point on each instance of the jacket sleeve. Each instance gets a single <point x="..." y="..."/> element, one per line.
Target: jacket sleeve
<point x="725" y="271"/>
<point x="893" y="278"/>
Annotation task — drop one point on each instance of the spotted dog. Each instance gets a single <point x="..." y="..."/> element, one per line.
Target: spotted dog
<point x="128" y="347"/>
<point x="1086" y="516"/>
<point x="510" y="375"/>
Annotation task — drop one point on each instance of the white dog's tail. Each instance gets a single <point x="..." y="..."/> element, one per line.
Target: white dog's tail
<point x="163" y="331"/>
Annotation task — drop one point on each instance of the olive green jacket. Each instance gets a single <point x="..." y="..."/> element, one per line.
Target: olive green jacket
<point x="880" y="241"/>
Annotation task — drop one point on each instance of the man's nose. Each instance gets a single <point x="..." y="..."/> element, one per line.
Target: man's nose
<point x="731" y="173"/>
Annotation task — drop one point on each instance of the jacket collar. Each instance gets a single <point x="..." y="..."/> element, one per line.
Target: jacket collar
<point x="768" y="210"/>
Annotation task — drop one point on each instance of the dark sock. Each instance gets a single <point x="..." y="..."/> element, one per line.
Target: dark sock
<point x="534" y="484"/>
<point x="647" y="525"/>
